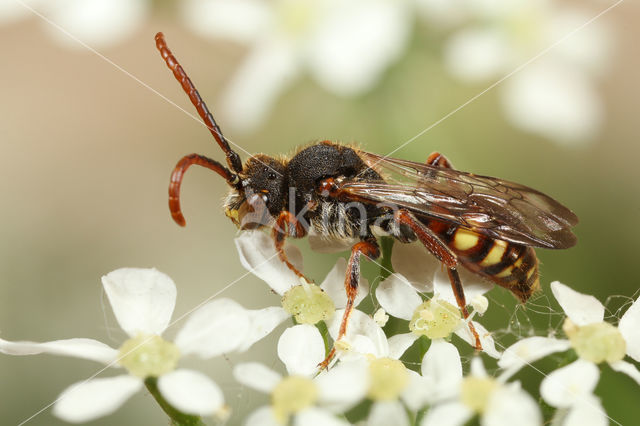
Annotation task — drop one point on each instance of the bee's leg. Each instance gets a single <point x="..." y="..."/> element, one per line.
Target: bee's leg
<point x="444" y="254"/>
<point x="370" y="249"/>
<point x="439" y="160"/>
<point x="458" y="291"/>
<point x="287" y="225"/>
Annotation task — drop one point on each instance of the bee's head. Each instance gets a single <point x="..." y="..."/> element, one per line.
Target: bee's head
<point x="258" y="190"/>
<point x="261" y="195"/>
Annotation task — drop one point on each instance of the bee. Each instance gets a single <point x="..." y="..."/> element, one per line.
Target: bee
<point x="487" y="225"/>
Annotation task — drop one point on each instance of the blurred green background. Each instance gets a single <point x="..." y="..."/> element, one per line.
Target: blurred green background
<point x="86" y="153"/>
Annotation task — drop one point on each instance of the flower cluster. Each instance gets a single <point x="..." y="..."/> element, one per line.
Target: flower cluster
<point x="549" y="63"/>
<point x="372" y="380"/>
<point x="548" y="59"/>
<point x="548" y="53"/>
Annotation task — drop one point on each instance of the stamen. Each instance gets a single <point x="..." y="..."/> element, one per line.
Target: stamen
<point x="308" y="303"/>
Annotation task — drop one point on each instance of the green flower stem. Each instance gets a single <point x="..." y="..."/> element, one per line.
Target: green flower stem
<point x="177" y="417"/>
<point x="324" y="332"/>
<point x="386" y="245"/>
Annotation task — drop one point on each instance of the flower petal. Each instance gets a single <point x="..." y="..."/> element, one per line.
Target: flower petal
<point x="301" y="349"/>
<point x="529" y="350"/>
<point x="581" y="308"/>
<point x="343" y="386"/>
<point x="477" y="54"/>
<point x="590" y="50"/>
<point x="333" y="285"/>
<point x="314" y="416"/>
<point x="96" y="22"/>
<point x="447" y="414"/>
<point x="629" y="329"/>
<point x="488" y="345"/>
<point x="78" y="347"/>
<point x="239" y="20"/>
<point x="387" y="413"/>
<point x="218" y="327"/>
<point x="397" y="297"/>
<point x="191" y="392"/>
<point x="419" y="392"/>
<point x="85" y="401"/>
<point x="477" y="367"/>
<point x="442" y="365"/>
<point x="554" y="100"/>
<point x="473" y="285"/>
<point x="587" y="411"/>
<point x="510" y="405"/>
<point x="259" y="256"/>
<point x="257" y="376"/>
<point x="271" y="66"/>
<point x="262" y="322"/>
<point x="360" y="324"/>
<point x="413" y="262"/>
<point x="567" y="385"/>
<point x="399" y="343"/>
<point x="142" y="299"/>
<point x="263" y="416"/>
<point x="626" y="368"/>
<point x="355" y="42"/>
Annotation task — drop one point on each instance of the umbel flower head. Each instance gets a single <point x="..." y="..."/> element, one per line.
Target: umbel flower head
<point x="307" y="302"/>
<point x="143" y="301"/>
<point x="457" y="399"/>
<point x="304" y="398"/>
<point x="554" y="96"/>
<point x="439" y="317"/>
<point x="594" y="341"/>
<point x="345" y="45"/>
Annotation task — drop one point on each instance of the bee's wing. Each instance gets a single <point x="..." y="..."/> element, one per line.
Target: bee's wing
<point x="490" y="206"/>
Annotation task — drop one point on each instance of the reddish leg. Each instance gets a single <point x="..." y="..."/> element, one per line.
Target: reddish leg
<point x="287" y="225"/>
<point x="371" y="250"/>
<point x="458" y="291"/>
<point x="438" y="160"/>
<point x="446" y="256"/>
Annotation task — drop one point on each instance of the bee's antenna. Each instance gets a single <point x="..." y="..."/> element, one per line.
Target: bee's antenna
<point x="233" y="159"/>
<point x="178" y="173"/>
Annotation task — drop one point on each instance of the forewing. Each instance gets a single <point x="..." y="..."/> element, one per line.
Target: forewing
<point x="487" y="205"/>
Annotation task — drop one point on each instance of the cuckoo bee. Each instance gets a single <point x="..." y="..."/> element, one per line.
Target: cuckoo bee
<point x="487" y="225"/>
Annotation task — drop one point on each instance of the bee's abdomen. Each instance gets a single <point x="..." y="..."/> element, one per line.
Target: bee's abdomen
<point x="512" y="266"/>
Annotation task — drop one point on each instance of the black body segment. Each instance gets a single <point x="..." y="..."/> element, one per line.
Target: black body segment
<point x="326" y="215"/>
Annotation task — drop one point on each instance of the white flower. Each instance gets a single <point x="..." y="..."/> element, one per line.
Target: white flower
<point x="594" y="340"/>
<point x="391" y="383"/>
<point x="258" y="255"/>
<point x="553" y="96"/>
<point x="365" y="338"/>
<point x="571" y="390"/>
<point x="307" y="399"/>
<point x="400" y="296"/>
<point x="439" y="381"/>
<point x="344" y="44"/>
<point x="495" y="401"/>
<point x="143" y="301"/>
<point x="97" y="23"/>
